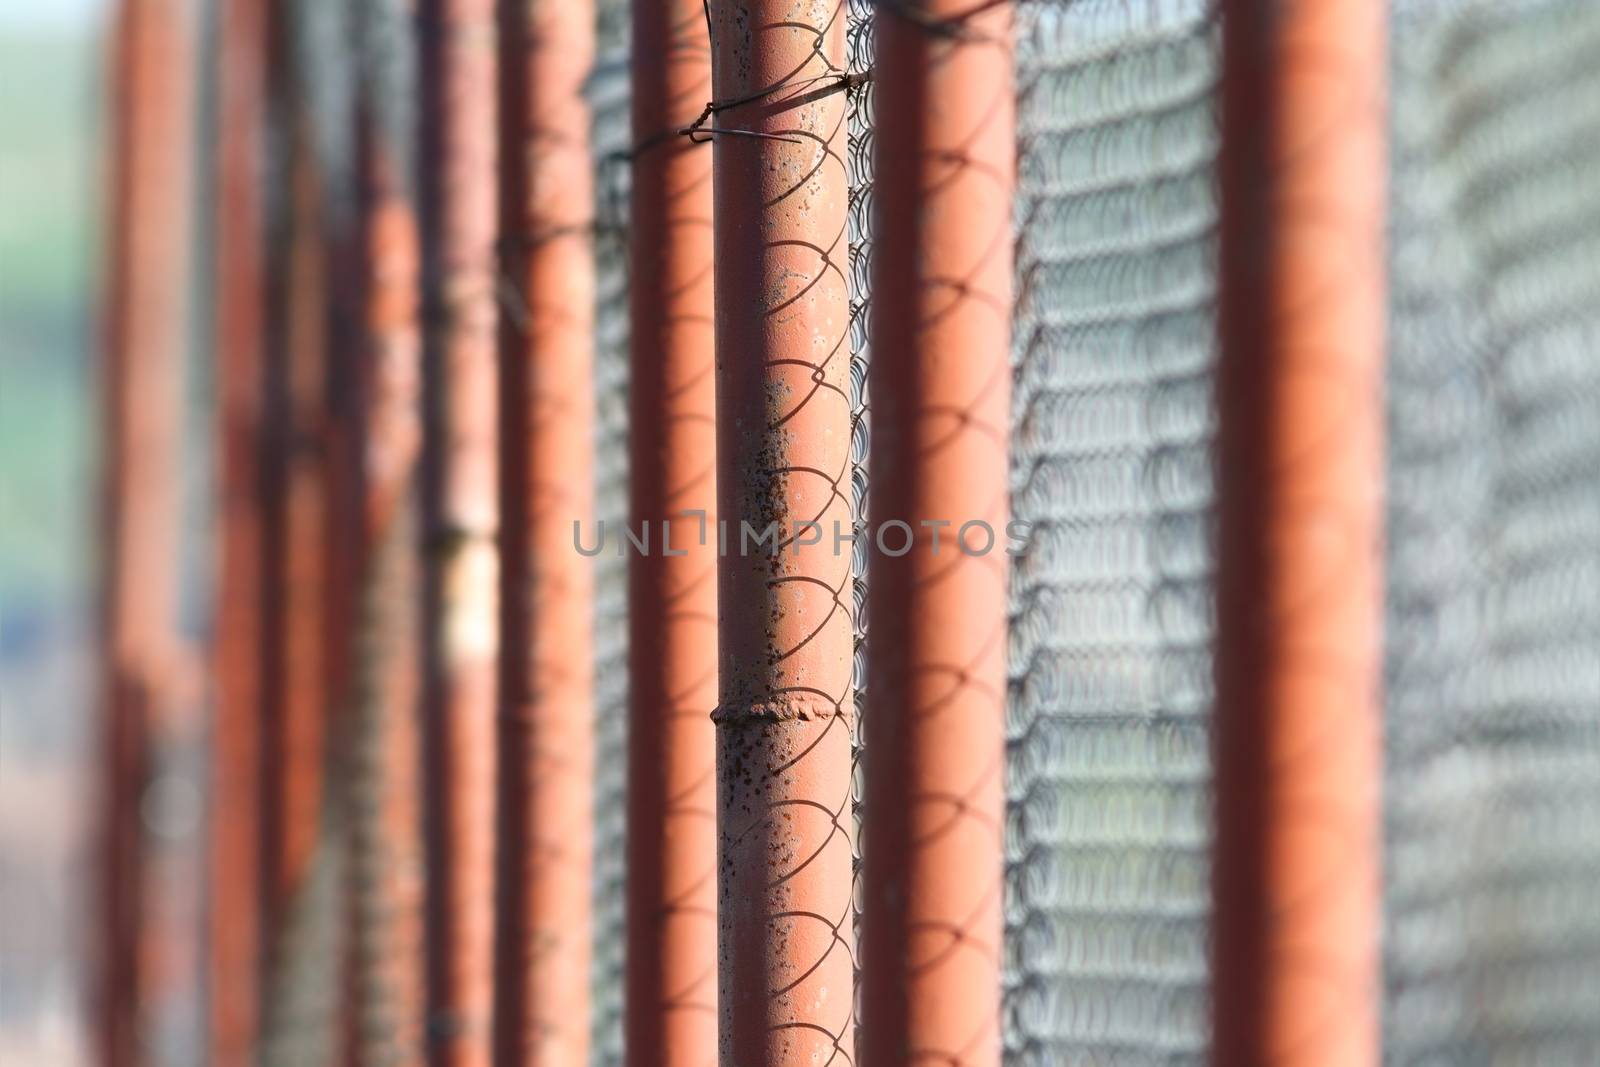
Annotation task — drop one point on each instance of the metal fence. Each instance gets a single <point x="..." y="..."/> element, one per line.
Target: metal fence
<point x="1493" y="644"/>
<point x="1492" y="807"/>
<point x="612" y="141"/>
<point x="1107" y="867"/>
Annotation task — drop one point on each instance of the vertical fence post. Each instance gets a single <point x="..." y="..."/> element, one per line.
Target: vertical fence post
<point x="146" y="291"/>
<point x="672" y="666"/>
<point x="461" y="625"/>
<point x="940" y="377"/>
<point x="382" y="786"/>
<point x="234" y="909"/>
<point x="547" y="612"/>
<point x="1299" y="586"/>
<point x="296" y="513"/>
<point x="783" y="434"/>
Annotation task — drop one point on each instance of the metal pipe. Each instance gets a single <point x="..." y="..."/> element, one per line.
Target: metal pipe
<point x="296" y="515"/>
<point x="672" y="659"/>
<point x="386" y="868"/>
<point x="146" y="316"/>
<point x="1298" y="722"/>
<point x="547" y="590"/>
<point x="785" y="943"/>
<point x="461" y="625"/>
<point x="940" y="386"/>
<point x="234" y="908"/>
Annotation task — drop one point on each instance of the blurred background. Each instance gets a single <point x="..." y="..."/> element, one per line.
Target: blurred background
<point x="51" y="88"/>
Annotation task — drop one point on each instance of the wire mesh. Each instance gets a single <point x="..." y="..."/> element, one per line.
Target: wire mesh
<point x="858" y="175"/>
<point x="306" y="948"/>
<point x="1493" y="648"/>
<point x="1107" y="875"/>
<point x="1492" y="951"/>
<point x="609" y="97"/>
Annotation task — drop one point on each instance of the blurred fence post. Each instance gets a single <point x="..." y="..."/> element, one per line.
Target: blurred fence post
<point x="382" y="776"/>
<point x="672" y="665"/>
<point x="147" y="283"/>
<point x="940" y="385"/>
<point x="461" y="516"/>
<point x="1299" y="468"/>
<point x="546" y="732"/>
<point x="234" y="917"/>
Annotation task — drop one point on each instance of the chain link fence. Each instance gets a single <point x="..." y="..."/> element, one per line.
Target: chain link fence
<point x="612" y="140"/>
<point x="1493" y="646"/>
<point x="1110" y="688"/>
<point x="1492" y="952"/>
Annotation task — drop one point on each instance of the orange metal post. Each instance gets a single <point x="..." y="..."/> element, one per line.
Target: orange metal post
<point x="672" y="669"/>
<point x="145" y="321"/>
<point x="461" y="509"/>
<point x="387" y="898"/>
<point x="296" y="690"/>
<point x="940" y="376"/>
<point x="784" y="637"/>
<point x="547" y="590"/>
<point x="1296" y="976"/>
<point x="234" y="920"/>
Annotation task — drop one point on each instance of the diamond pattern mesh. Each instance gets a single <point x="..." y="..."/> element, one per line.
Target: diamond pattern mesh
<point x="858" y="169"/>
<point x="608" y="96"/>
<point x="1110" y="684"/>
<point x="1493" y="647"/>
<point x="1492" y="941"/>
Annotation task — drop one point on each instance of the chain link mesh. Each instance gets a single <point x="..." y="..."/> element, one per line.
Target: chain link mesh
<point x="1110" y="670"/>
<point x="1493" y="647"/>
<point x="609" y="98"/>
<point x="858" y="172"/>
<point x="305" y="951"/>
<point x="1493" y="591"/>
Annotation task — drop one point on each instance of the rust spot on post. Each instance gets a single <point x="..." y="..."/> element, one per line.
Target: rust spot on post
<point x="785" y="951"/>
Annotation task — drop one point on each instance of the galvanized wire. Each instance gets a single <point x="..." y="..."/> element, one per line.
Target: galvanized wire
<point x="608" y="93"/>
<point x="1493" y="647"/>
<point x="1110" y="687"/>
<point x="859" y="15"/>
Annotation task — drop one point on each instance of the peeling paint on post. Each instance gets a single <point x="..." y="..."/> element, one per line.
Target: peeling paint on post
<point x="785" y="952"/>
<point x="672" y="668"/>
<point x="940" y="378"/>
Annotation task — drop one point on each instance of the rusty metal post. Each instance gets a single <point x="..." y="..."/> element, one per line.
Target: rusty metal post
<point x="672" y="664"/>
<point x="1298" y="728"/>
<point x="234" y="910"/>
<point x="146" y="317"/>
<point x="461" y="625"/>
<point x="783" y="433"/>
<point x="940" y="386"/>
<point x="547" y="590"/>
